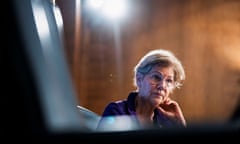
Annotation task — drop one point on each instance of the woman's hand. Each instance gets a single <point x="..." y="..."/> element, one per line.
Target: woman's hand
<point x="172" y="110"/>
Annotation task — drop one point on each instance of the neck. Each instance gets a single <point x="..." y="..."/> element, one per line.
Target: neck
<point x="144" y="108"/>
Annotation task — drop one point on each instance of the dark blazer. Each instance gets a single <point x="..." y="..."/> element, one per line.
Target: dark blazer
<point x="126" y="109"/>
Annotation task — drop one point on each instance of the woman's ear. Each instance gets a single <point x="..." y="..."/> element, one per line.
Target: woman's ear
<point x="139" y="78"/>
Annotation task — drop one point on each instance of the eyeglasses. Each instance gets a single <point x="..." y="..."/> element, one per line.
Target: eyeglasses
<point x="157" y="78"/>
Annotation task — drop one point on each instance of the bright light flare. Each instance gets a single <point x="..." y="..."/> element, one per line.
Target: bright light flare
<point x="113" y="9"/>
<point x="95" y="4"/>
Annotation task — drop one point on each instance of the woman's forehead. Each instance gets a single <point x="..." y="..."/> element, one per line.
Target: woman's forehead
<point x="166" y="70"/>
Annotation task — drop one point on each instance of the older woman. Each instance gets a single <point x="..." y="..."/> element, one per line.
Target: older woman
<point x="157" y="74"/>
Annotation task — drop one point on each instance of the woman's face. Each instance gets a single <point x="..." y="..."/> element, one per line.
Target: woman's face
<point x="157" y="84"/>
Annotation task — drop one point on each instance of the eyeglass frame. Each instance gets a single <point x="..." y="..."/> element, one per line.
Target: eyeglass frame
<point x="156" y="78"/>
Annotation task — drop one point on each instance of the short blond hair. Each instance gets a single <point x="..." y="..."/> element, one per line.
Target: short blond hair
<point x="163" y="58"/>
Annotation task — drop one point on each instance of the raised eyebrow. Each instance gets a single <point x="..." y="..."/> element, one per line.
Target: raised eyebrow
<point x="157" y="72"/>
<point x="170" y="76"/>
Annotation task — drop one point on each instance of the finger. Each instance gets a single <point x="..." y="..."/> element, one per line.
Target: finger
<point x="161" y="109"/>
<point x="167" y="99"/>
<point x="171" y="102"/>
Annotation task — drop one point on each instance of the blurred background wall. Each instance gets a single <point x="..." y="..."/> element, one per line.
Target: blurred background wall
<point x="205" y="36"/>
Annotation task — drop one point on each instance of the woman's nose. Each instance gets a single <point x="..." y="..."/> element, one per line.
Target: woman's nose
<point x="161" y="84"/>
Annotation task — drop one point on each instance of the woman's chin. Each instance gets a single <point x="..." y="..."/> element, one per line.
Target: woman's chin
<point x="159" y="100"/>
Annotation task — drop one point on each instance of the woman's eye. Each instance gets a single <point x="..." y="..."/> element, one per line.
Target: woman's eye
<point x="169" y="80"/>
<point x="158" y="78"/>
